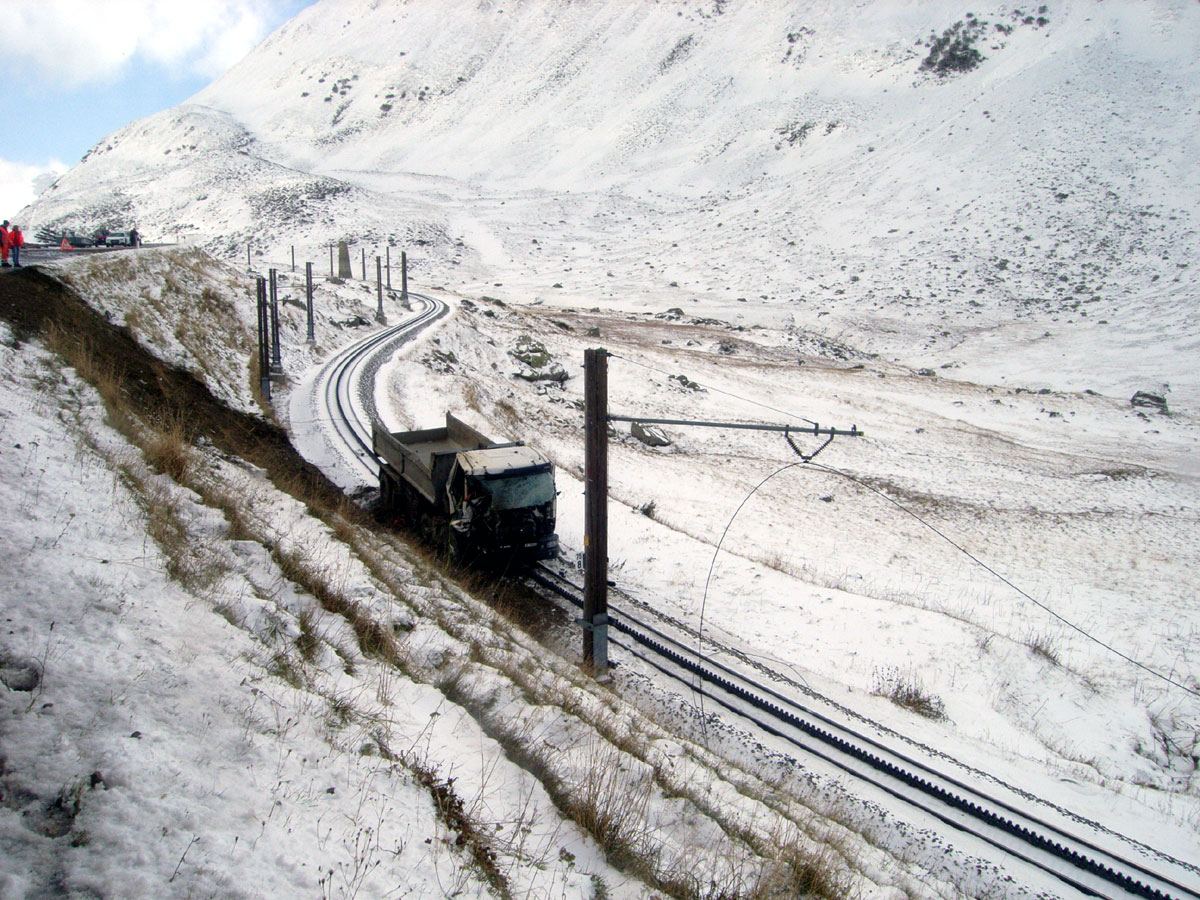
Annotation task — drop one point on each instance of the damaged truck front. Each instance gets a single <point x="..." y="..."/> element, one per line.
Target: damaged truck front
<point x="482" y="500"/>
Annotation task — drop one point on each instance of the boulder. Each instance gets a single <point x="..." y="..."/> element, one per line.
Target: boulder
<point x="537" y="363"/>
<point x="1149" y="401"/>
<point x="649" y="435"/>
<point x="20" y="675"/>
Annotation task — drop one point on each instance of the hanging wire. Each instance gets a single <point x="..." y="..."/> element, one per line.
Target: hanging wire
<point x="808" y="462"/>
<point x="963" y="550"/>
<point x="715" y="390"/>
<point x="712" y="564"/>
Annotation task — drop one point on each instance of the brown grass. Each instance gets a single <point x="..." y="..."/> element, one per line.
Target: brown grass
<point x="167" y="447"/>
<point x="612" y="797"/>
<point x="907" y="691"/>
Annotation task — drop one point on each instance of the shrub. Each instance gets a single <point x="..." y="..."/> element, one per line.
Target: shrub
<point x="952" y="52"/>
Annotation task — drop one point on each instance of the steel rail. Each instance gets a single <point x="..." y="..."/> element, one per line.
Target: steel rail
<point x="340" y="382"/>
<point x="977" y="805"/>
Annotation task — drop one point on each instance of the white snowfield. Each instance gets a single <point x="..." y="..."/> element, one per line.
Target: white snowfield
<point x="768" y="212"/>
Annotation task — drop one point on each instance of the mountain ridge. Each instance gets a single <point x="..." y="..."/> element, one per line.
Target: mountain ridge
<point x="794" y="153"/>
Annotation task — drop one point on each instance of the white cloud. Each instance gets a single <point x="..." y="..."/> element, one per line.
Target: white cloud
<point x="71" y="43"/>
<point x="17" y="184"/>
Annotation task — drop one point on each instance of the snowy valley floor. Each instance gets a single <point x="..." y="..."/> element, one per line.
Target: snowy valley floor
<point x="286" y="704"/>
<point x="980" y="543"/>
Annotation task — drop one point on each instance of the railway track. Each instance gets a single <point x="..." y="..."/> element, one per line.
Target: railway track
<point x="1007" y="823"/>
<point x="344" y="387"/>
<point x="1077" y="862"/>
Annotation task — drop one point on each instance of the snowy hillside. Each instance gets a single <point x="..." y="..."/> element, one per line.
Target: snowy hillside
<point x="652" y="154"/>
<point x="765" y="210"/>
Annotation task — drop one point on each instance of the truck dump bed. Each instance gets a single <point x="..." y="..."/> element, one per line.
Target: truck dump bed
<point x="425" y="458"/>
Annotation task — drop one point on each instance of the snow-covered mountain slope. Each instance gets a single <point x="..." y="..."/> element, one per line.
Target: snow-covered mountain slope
<point x="794" y="154"/>
<point x="776" y="201"/>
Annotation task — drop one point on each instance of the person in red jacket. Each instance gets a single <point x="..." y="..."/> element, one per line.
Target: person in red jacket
<point x="16" y="240"/>
<point x="4" y="239"/>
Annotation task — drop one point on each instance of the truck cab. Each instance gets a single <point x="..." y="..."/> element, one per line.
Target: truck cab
<point x="504" y="498"/>
<point x="485" y="500"/>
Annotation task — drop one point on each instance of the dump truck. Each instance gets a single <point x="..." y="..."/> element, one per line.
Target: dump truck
<point x="481" y="499"/>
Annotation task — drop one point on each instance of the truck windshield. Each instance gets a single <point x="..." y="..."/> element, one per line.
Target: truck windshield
<point x="520" y="491"/>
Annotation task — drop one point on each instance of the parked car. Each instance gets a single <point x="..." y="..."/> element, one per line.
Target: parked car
<point x="77" y="240"/>
<point x="117" y="239"/>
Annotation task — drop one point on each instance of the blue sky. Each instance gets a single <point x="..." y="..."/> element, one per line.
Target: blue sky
<point x="77" y="70"/>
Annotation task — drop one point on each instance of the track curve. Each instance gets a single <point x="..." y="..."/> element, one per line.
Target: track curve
<point x="342" y="393"/>
<point x="1075" y="861"/>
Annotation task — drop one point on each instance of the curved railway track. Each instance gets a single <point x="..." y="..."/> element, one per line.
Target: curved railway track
<point x="345" y="385"/>
<point x="1077" y="862"/>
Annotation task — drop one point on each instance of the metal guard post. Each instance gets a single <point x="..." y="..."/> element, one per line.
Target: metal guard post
<point x="597" y="627"/>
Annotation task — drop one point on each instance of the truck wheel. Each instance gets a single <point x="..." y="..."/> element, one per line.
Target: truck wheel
<point x="429" y="528"/>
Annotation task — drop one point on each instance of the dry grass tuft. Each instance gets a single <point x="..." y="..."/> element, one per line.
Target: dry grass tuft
<point x="1045" y="646"/>
<point x="611" y="802"/>
<point x="167" y="448"/>
<point x="907" y="691"/>
<point x="308" y="642"/>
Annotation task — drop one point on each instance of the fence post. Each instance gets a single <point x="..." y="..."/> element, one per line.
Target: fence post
<point x="364" y="263"/>
<point x="293" y="257"/>
<point x="249" y="265"/>
<point x="403" y="275"/>
<point x="388" y="253"/>
<point x="379" y="289"/>
<point x="308" y="295"/>
<point x="331" y="260"/>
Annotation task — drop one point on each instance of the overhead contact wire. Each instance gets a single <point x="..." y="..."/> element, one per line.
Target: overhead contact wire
<point x="716" y="390"/>
<point x="967" y="553"/>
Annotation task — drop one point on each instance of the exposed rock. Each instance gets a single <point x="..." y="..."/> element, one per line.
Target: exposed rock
<point x="686" y="382"/>
<point x="649" y="435"/>
<point x="20" y="675"/>
<point x="1150" y="401"/>
<point x="537" y="363"/>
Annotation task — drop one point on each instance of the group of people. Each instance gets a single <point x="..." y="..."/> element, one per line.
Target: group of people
<point x="11" y="242"/>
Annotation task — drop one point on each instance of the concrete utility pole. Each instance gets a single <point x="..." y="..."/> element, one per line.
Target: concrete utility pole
<point x="595" y="535"/>
<point x="309" y="303"/>
<point x="264" y="358"/>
